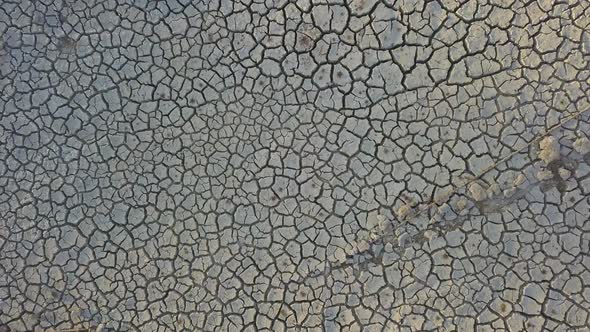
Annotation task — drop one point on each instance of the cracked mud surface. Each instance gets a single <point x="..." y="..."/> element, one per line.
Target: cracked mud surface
<point x="295" y="165"/>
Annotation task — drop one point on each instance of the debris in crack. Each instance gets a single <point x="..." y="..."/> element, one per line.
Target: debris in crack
<point x="549" y="149"/>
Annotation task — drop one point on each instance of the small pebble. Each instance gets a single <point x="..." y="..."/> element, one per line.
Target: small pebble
<point x="494" y="189"/>
<point x="549" y="149"/>
<point x="519" y="180"/>
<point x="477" y="192"/>
<point x="461" y="204"/>
<point x="403" y="211"/>
<point x="582" y="145"/>
<point x="564" y="173"/>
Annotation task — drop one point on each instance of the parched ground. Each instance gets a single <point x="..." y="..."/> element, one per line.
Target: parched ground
<point x="293" y="165"/>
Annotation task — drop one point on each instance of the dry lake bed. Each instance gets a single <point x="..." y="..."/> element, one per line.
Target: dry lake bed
<point x="304" y="165"/>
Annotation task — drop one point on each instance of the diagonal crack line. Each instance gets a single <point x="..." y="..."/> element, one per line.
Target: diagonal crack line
<point x="502" y="160"/>
<point x="334" y="267"/>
